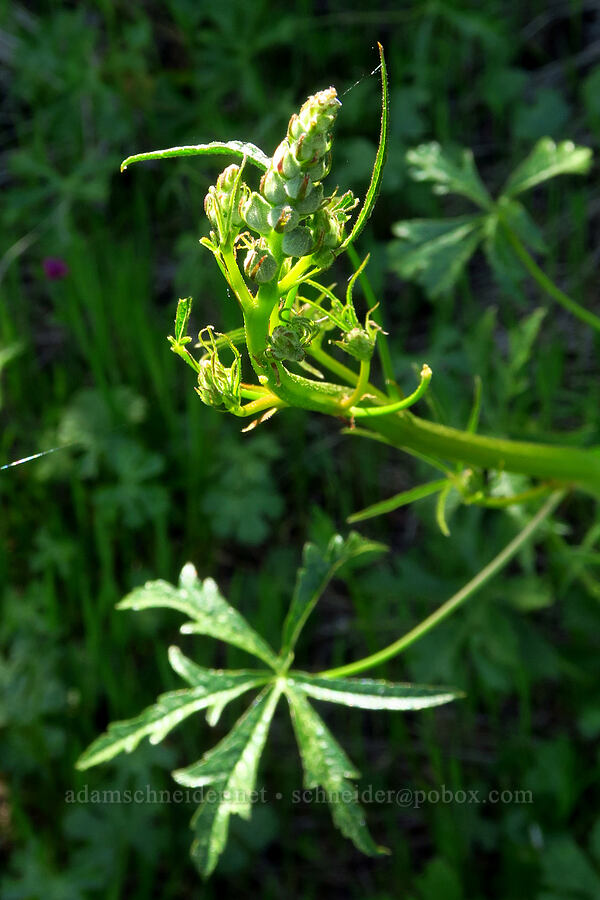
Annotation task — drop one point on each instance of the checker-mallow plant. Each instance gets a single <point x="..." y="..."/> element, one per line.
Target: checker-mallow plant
<point x="273" y="236"/>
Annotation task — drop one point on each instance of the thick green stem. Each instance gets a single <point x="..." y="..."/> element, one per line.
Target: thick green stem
<point x="542" y="279"/>
<point x="550" y="463"/>
<point x="482" y="577"/>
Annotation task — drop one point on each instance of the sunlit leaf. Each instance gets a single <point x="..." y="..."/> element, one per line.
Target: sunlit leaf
<point x="230" y="769"/>
<point x="374" y="186"/>
<point x="184" y="308"/>
<point x="326" y="765"/>
<point x="317" y="570"/>
<point x="238" y="149"/>
<point x="450" y="173"/>
<point x="155" y="722"/>
<point x="547" y="160"/>
<point x="434" y="252"/>
<point x="210" y="613"/>
<point x="370" y="693"/>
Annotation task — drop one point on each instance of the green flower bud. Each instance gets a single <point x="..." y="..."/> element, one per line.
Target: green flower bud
<point x="359" y="343"/>
<point x="311" y="146"/>
<point x="289" y="340"/>
<point x="227" y="178"/>
<point x="311" y="203"/>
<point x="318" y="113"/>
<point x="222" y="203"/>
<point x="297" y="242"/>
<point x="273" y="189"/>
<point x="260" y="264"/>
<point x="255" y="213"/>
<point x="283" y="218"/>
<point x="299" y="187"/>
<point x="218" y="385"/>
<point x="284" y="162"/>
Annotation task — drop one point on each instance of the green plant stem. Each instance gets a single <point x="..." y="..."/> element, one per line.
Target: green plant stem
<point x="482" y="577"/>
<point x="544" y="461"/>
<point x="567" y="465"/>
<point x="547" y="285"/>
<point x="362" y="412"/>
<point x="361" y="385"/>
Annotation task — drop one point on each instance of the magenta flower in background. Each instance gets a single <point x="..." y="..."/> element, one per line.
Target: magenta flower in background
<point x="55" y="268"/>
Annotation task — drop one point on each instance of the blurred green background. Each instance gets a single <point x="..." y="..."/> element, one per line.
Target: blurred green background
<point x="92" y="264"/>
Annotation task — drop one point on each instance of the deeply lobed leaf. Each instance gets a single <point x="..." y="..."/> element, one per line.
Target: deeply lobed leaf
<point x="326" y="765"/>
<point x="547" y="160"/>
<point x="450" y="174"/>
<point x="230" y="768"/>
<point x="212" y="688"/>
<point x="434" y="252"/>
<point x="317" y="570"/>
<point x="210" y="613"/>
<point x="370" y="693"/>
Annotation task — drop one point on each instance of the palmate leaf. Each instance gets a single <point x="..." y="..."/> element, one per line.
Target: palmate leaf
<point x="213" y="688"/>
<point x="210" y="613"/>
<point x="326" y="765"/>
<point x="450" y="173"/>
<point x="371" y="693"/>
<point x="547" y="160"/>
<point x="317" y="570"/>
<point x="238" y="149"/>
<point x="434" y="252"/>
<point x="230" y="769"/>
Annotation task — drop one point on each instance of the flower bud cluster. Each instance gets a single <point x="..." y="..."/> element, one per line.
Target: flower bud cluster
<point x="218" y="385"/>
<point x="290" y="201"/>
<point x="222" y="203"/>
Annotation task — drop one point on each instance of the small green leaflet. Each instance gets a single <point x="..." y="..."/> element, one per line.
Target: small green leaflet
<point x="238" y="149"/>
<point x="317" y="570"/>
<point x="450" y="174"/>
<point x="213" y="688"/>
<point x="184" y="308"/>
<point x="326" y="765"/>
<point x="547" y="160"/>
<point x="434" y="252"/>
<point x="371" y="693"/>
<point x="398" y="500"/>
<point x="209" y="611"/>
<point x="229" y="770"/>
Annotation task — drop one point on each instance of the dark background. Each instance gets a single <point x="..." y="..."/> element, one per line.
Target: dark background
<point x="155" y="479"/>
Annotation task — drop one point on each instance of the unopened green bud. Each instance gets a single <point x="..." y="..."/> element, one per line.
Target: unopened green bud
<point x="218" y="385"/>
<point x="260" y="264"/>
<point x="318" y="113"/>
<point x="272" y="187"/>
<point x="227" y="178"/>
<point x="255" y="213"/>
<point x="299" y="187"/>
<point x="312" y="202"/>
<point x="359" y="343"/>
<point x="284" y="161"/>
<point x="283" y="218"/>
<point x="311" y="146"/>
<point x="222" y="203"/>
<point x="297" y="242"/>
